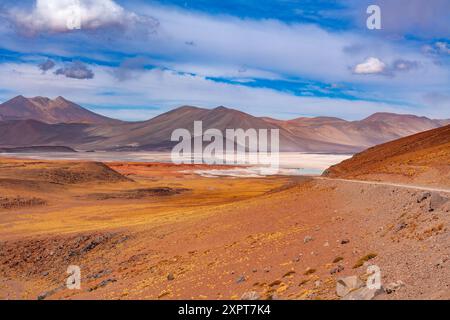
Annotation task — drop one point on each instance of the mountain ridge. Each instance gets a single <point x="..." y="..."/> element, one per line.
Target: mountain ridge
<point x="316" y="134"/>
<point x="58" y="110"/>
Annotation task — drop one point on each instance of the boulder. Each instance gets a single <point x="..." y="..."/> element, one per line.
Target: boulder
<point x="423" y="196"/>
<point x="307" y="239"/>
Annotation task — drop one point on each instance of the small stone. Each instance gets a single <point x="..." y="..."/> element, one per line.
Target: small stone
<point x="400" y="226"/>
<point x="423" y="196"/>
<point x="250" y="295"/>
<point x="326" y="244"/>
<point x="441" y="262"/>
<point x="317" y="283"/>
<point x="337" y="269"/>
<point x="254" y="270"/>
<point x="240" y="279"/>
<point x="345" y="241"/>
<point x="267" y="269"/>
<point x="170" y="277"/>
<point x="308" y="239"/>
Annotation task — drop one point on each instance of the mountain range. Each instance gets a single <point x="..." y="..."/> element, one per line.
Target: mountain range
<point x="41" y="121"/>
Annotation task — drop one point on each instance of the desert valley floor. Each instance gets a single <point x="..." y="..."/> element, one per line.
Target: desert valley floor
<point x="159" y="231"/>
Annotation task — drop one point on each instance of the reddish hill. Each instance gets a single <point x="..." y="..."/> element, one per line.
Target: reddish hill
<point x="423" y="157"/>
<point x="47" y="110"/>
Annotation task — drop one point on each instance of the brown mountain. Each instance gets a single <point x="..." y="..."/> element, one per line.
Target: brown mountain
<point x="320" y="134"/>
<point x="155" y="133"/>
<point x="358" y="135"/>
<point x="422" y="157"/>
<point x="47" y="110"/>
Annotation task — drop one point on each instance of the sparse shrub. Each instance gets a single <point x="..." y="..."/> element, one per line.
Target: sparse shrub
<point x="309" y="271"/>
<point x="337" y="259"/>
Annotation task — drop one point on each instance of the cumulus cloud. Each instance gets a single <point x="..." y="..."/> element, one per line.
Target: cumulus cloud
<point x="76" y="70"/>
<point x="404" y="65"/>
<point x="374" y="65"/>
<point x="167" y="89"/>
<point x="370" y="66"/>
<point x="437" y="48"/>
<point x="67" y="15"/>
<point x="46" y="65"/>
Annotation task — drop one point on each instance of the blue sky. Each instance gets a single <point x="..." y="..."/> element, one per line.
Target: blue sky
<point x="282" y="58"/>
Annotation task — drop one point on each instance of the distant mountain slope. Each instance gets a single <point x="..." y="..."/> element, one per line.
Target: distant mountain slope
<point x="155" y="133"/>
<point x="423" y="157"/>
<point x="27" y="133"/>
<point x="47" y="110"/>
<point x="62" y="123"/>
<point x="376" y="129"/>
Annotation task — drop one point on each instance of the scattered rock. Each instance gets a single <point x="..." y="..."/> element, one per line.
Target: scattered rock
<point x="99" y="274"/>
<point x="308" y="239"/>
<point x="345" y="285"/>
<point x="441" y="262"/>
<point x="393" y="286"/>
<point x="317" y="283"/>
<point x="345" y="241"/>
<point x="170" y="277"/>
<point x="102" y="284"/>
<point x="250" y="295"/>
<point x="436" y="201"/>
<point x="337" y="269"/>
<point x="46" y="294"/>
<point x="402" y="225"/>
<point x="423" y="196"/>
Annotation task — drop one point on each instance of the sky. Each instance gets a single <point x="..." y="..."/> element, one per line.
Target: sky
<point x="136" y="59"/>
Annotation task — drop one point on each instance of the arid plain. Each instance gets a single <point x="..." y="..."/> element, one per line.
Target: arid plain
<point x="160" y="231"/>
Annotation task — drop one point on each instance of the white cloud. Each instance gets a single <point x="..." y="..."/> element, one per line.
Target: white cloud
<point x="442" y="47"/>
<point x="167" y="89"/>
<point x="370" y="66"/>
<point x="58" y="15"/>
